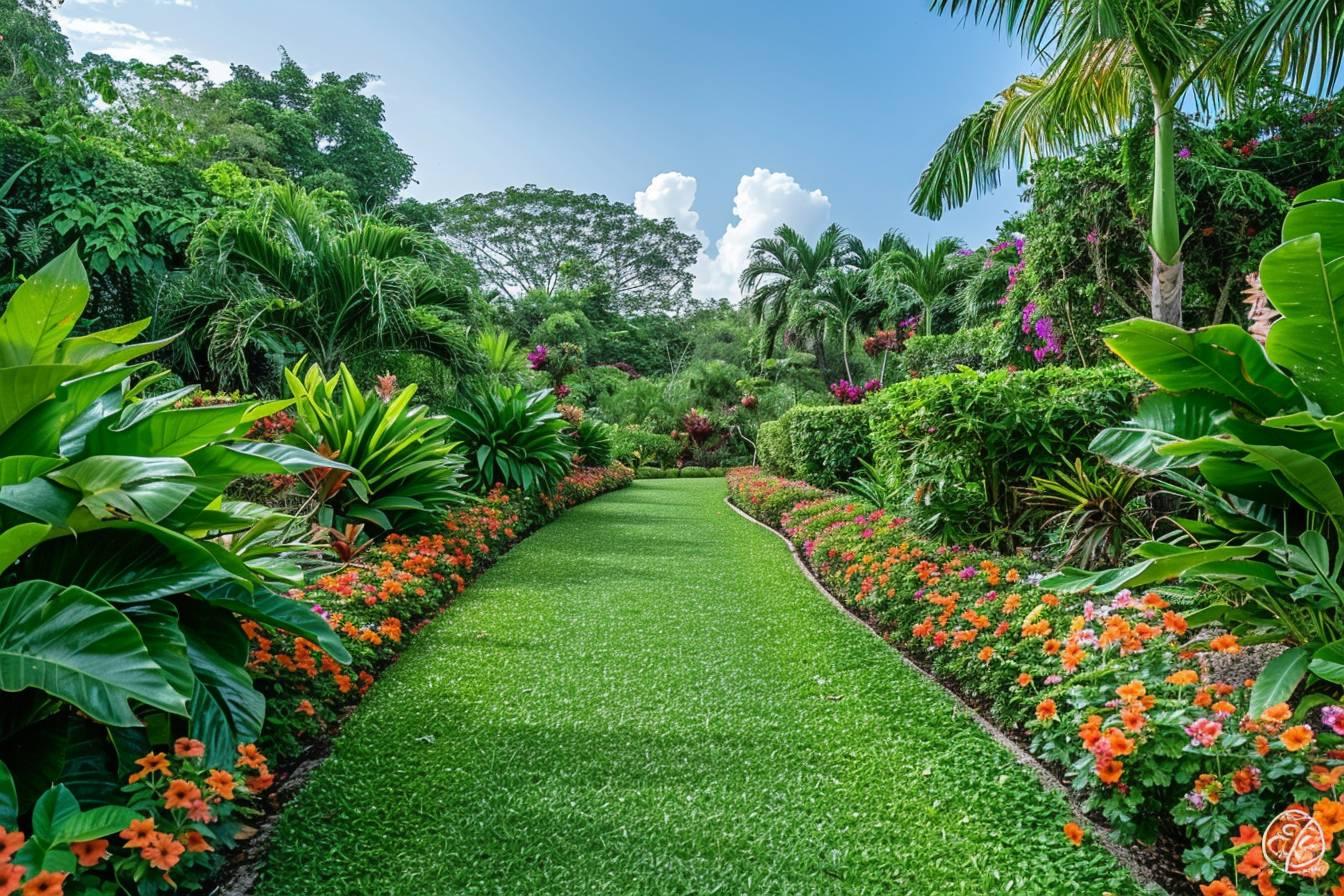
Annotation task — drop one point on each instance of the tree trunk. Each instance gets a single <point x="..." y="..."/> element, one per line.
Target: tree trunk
<point x="1167" y="287"/>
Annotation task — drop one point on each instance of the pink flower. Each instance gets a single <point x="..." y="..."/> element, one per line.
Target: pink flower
<point x="1203" y="732"/>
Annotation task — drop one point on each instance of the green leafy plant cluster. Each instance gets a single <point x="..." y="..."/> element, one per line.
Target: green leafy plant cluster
<point x="513" y="438"/>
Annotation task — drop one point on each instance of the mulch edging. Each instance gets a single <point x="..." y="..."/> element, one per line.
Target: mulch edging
<point x="1149" y="865"/>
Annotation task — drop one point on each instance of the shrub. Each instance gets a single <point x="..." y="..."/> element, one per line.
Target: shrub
<point x="690" y="472"/>
<point x="965" y="443"/>
<point x="774" y="448"/>
<point x="408" y="472"/>
<point x="979" y="348"/>
<point x="653" y="473"/>
<point x="828" y="442"/>
<point x="511" y="438"/>
<point x="593" y="443"/>
<point x="637" y="447"/>
<point x="717" y="472"/>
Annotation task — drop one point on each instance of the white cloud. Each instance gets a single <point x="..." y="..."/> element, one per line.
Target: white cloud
<point x="122" y="40"/>
<point x="764" y="200"/>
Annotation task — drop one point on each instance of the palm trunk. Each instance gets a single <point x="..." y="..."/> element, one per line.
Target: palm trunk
<point x="1168" y="281"/>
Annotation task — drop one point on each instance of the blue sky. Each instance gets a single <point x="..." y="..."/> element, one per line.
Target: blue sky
<point x="847" y="98"/>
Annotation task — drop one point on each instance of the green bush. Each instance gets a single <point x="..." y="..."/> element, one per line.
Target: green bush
<point x="694" y="473"/>
<point x="653" y="473"/>
<point x="718" y="472"/>
<point x="593" y="443"/>
<point x="512" y="437"/>
<point x="828" y="441"/>
<point x="972" y="440"/>
<point x="979" y="348"/>
<point x="636" y="446"/>
<point x="408" y="471"/>
<point x="774" y="448"/>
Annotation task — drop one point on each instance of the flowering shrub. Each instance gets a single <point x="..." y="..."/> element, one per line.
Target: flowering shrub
<point x="1120" y="696"/>
<point x="846" y="392"/>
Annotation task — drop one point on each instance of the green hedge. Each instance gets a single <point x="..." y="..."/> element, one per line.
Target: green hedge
<point x="829" y="441"/>
<point x="774" y="448"/>
<point x="989" y="434"/>
<point x="979" y="348"/>
<point x="638" y="447"/>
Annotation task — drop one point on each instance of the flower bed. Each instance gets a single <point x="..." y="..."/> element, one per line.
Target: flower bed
<point x="1118" y="696"/>
<point x="179" y="814"/>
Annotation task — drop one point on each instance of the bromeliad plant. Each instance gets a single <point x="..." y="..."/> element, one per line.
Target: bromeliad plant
<point x="122" y="567"/>
<point x="1254" y="436"/>
<point x="407" y="472"/>
<point x="512" y="438"/>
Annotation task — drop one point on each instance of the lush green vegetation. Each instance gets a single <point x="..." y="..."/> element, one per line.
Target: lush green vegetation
<point x="564" y="751"/>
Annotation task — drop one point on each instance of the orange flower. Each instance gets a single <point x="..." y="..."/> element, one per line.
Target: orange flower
<point x="1119" y="744"/>
<point x="47" y="883"/>
<point x="1246" y="834"/>
<point x="1110" y="770"/>
<point x="1297" y="737"/>
<point x="1262" y="745"/>
<point x="1245" y="780"/>
<point x="194" y="842"/>
<point x="1329" y="814"/>
<point x="1174" y="623"/>
<point x="187" y="748"/>
<point x="162" y="852"/>
<point x="1074" y="833"/>
<point x="1046" y="711"/>
<point x="90" y="852"/>
<point x="10" y="843"/>
<point x="1023" y="680"/>
<point x="1265" y="884"/>
<point x="261" y="780"/>
<point x="153" y="763"/>
<point x="1221" y="887"/>
<point x="1252" y="863"/>
<point x="986" y="654"/>
<point x="306" y="707"/>
<point x="250" y="757"/>
<point x="138" y="833"/>
<point x="180" y="795"/>
<point x="1132" y="691"/>
<point x="1226" y="644"/>
<point x="1279" y="712"/>
<point x="1323" y="778"/>
<point x="11" y="878"/>
<point x="222" y="783"/>
<point x="1133" y="718"/>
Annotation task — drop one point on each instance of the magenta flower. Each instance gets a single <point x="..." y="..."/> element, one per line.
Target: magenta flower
<point x="537" y="357"/>
<point x="1184" y="153"/>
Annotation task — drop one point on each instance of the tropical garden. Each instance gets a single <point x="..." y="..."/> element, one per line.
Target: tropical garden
<point x="267" y="424"/>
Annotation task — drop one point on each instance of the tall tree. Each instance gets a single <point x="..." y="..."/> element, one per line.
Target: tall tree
<point x="532" y="238"/>
<point x="925" y="278"/>
<point x="783" y="273"/>
<point x="841" y="307"/>
<point x="1109" y="64"/>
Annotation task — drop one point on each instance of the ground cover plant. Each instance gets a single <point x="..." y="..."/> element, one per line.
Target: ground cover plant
<point x="566" y="683"/>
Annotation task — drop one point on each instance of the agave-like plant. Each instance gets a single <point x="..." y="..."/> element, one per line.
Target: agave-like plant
<point x="1254" y="436"/>
<point x="407" y="472"/>
<point x="512" y="438"/>
<point x="123" y="570"/>
<point x="593" y="442"/>
<point x="1101" y="512"/>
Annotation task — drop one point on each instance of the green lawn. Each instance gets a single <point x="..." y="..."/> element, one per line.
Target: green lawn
<point x="647" y="696"/>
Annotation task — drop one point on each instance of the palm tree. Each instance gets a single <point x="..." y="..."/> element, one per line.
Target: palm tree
<point x="841" y="307"/>
<point x="1109" y="63"/>
<point x="925" y="278"/>
<point x="289" y="275"/>
<point x="783" y="273"/>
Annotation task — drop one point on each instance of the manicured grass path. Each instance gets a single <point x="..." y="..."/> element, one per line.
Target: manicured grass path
<point x="647" y="697"/>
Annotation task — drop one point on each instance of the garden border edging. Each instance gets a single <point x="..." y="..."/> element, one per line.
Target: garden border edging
<point x="1122" y="854"/>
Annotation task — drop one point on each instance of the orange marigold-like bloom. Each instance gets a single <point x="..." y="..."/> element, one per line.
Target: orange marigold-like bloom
<point x="1046" y="710"/>
<point x="11" y="878"/>
<point x="163" y="851"/>
<point x="1245" y="834"/>
<point x="1222" y="706"/>
<point x="1174" y="623"/>
<point x="1132" y="691"/>
<point x="46" y="883"/>
<point x="250" y="757"/>
<point x="1245" y="780"/>
<point x="1252" y="863"/>
<point x="1221" y="887"/>
<point x="1023" y="680"/>
<point x="138" y="833"/>
<point x="1133" y="718"/>
<point x="1323" y="778"/>
<point x="1154" y="600"/>
<point x="1329" y="814"/>
<point x="261" y="780"/>
<point x="194" y="842"/>
<point x="1110" y="770"/>
<point x="1118" y="743"/>
<point x="1262" y="745"/>
<point x="90" y="852"/>
<point x="986" y="654"/>
<point x="1183" y="677"/>
<point x="187" y="748"/>
<point x="1226" y="644"/>
<point x="1279" y="712"/>
<point x="306" y="708"/>
<point x="1297" y="737"/>
<point x="221" y="783"/>
<point x="10" y="843"/>
<point x="180" y="795"/>
<point x="152" y="763"/>
<point x="1074" y="833"/>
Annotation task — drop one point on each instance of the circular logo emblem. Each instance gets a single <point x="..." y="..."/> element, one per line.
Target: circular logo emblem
<point x="1294" y="842"/>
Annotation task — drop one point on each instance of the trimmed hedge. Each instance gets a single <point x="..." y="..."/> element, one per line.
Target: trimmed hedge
<point x="822" y="444"/>
<point x="637" y="447"/>
<point x="979" y="348"/>
<point x="774" y="447"/>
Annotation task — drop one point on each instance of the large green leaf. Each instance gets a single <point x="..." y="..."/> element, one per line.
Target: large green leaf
<point x="24" y="388"/>
<point x="1222" y="359"/>
<point x="9" y="800"/>
<point x="295" y="617"/>
<point x="1277" y="681"/>
<point x="78" y="648"/>
<point x="168" y="433"/>
<point x="1161" y="418"/>
<point x="1318" y="210"/>
<point x="40" y="430"/>
<point x="1309" y="480"/>
<point x="1328" y="662"/>
<point x="43" y="311"/>
<point x="17" y="540"/>
<point x="1169" y="564"/>
<point x="226" y="710"/>
<point x="143" y="488"/>
<point x="1308" y="340"/>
